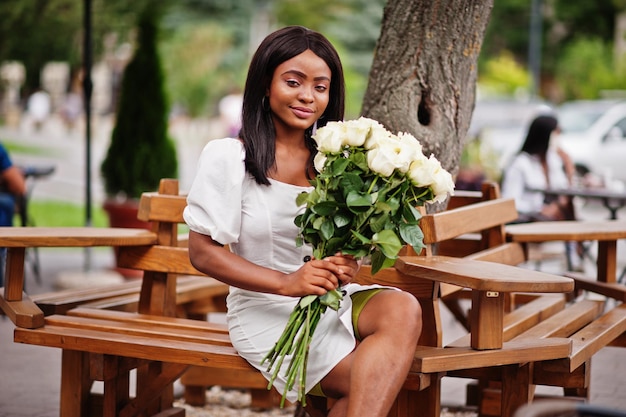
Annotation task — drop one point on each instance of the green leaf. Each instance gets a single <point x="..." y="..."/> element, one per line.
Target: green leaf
<point x="305" y="301"/>
<point x="360" y="160"/>
<point x="332" y="299"/>
<point x="378" y="223"/>
<point x="318" y="222"/>
<point x="341" y="219"/>
<point x="302" y="198"/>
<point x="325" y="208"/>
<point x="411" y="214"/>
<point x="412" y="234"/>
<point x="339" y="166"/>
<point x="388" y="242"/>
<point x="351" y="181"/>
<point x="357" y="202"/>
<point x="327" y="229"/>
<point x="362" y="238"/>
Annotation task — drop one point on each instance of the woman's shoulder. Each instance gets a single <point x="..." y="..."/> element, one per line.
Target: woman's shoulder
<point x="226" y="144"/>
<point x="224" y="149"/>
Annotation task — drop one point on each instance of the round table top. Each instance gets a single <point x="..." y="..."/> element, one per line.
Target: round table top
<point x="576" y="230"/>
<point x="27" y="237"/>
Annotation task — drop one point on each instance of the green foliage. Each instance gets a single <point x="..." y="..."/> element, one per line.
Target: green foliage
<point x="587" y="68"/>
<point x="502" y="75"/>
<point x="140" y="153"/>
<point x="198" y="75"/>
<point x="36" y="32"/>
<point x="563" y="22"/>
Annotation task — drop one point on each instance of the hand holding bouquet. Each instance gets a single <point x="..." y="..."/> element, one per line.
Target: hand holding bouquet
<point x="363" y="204"/>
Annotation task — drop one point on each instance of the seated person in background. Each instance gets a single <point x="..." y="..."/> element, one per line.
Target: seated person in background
<point x="12" y="186"/>
<point x="539" y="165"/>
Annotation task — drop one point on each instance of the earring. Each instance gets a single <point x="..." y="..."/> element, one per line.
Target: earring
<point x="265" y="103"/>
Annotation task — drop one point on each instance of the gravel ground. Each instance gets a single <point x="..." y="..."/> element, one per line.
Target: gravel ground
<point x="236" y="403"/>
<point x="231" y="403"/>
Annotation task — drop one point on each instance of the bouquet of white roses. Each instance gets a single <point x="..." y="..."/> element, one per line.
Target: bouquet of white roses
<point x="363" y="204"/>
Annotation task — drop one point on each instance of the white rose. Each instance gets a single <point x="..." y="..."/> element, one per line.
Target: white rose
<point x="329" y="138"/>
<point x="408" y="149"/>
<point x="319" y="161"/>
<point x="443" y="183"/>
<point x="376" y="135"/>
<point x="385" y="158"/>
<point x="356" y="131"/>
<point x="420" y="172"/>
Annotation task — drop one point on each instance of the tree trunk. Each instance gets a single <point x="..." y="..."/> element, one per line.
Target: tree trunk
<point x="423" y="77"/>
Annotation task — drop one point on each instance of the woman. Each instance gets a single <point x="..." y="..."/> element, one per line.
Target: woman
<point x="539" y="165"/>
<point x="244" y="196"/>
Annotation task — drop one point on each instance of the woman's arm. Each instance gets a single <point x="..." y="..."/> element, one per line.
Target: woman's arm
<point x="13" y="180"/>
<point x="313" y="277"/>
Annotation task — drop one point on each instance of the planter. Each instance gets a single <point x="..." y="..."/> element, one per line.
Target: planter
<point x="123" y="213"/>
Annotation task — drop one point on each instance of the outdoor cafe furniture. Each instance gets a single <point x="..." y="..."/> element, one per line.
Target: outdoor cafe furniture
<point x="612" y="200"/>
<point x="605" y="232"/>
<point x="18" y="306"/>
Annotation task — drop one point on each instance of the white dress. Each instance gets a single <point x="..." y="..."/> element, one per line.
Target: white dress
<point x="257" y="222"/>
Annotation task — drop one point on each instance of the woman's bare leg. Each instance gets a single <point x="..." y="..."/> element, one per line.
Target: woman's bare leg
<point x="369" y="379"/>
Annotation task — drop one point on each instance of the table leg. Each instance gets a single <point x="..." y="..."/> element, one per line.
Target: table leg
<point x="14" y="274"/>
<point x="607" y="261"/>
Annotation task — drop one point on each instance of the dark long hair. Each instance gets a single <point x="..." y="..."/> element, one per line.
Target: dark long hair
<point x="257" y="130"/>
<point x="538" y="136"/>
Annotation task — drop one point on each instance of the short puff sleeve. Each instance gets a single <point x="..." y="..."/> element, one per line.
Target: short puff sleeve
<point x="215" y="197"/>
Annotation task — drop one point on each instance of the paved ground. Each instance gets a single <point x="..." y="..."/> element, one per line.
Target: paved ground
<point x="31" y="374"/>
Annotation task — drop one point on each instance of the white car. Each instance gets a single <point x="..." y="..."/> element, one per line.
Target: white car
<point x="594" y="135"/>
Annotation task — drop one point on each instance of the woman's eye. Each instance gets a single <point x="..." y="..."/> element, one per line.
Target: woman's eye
<point x="293" y="83"/>
<point x="321" y="88"/>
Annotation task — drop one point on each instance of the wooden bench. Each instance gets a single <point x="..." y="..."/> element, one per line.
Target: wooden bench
<point x="190" y="291"/>
<point x="106" y="345"/>
<point x="584" y="322"/>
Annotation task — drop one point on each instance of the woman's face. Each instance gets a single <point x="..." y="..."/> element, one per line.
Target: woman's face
<point x="299" y="92"/>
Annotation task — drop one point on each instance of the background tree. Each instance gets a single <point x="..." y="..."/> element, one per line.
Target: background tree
<point x="423" y="76"/>
<point x="141" y="152"/>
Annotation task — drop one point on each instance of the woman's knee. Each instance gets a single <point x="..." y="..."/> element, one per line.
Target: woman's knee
<point x="392" y="311"/>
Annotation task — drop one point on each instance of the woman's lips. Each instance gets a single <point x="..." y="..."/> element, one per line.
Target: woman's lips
<point x="302" y="112"/>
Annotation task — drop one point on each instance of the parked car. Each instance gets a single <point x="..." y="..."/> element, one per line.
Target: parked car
<point x="593" y="133"/>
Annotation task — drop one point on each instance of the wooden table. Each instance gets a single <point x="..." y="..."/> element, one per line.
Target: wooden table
<point x="605" y="232"/>
<point x="612" y="200"/>
<point x="17" y="305"/>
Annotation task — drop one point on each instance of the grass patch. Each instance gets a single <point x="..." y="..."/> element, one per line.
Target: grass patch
<point x="18" y="148"/>
<point x="48" y="213"/>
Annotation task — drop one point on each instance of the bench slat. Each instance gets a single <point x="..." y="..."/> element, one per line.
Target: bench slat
<point x="144" y="329"/>
<point x="429" y="359"/>
<point x="164" y="322"/>
<point x="157" y="258"/>
<point x="566" y="322"/>
<point x="598" y="334"/>
<point x="451" y="224"/>
<point x="608" y="289"/>
<point x="141" y="347"/>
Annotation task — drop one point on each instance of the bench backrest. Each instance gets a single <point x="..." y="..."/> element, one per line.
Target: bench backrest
<point x="163" y="262"/>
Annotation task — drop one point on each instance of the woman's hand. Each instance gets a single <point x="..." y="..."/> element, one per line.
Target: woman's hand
<point x="318" y="276"/>
<point x="348" y="267"/>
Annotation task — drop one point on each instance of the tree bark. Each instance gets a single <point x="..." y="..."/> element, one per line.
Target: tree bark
<point x="423" y="76"/>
